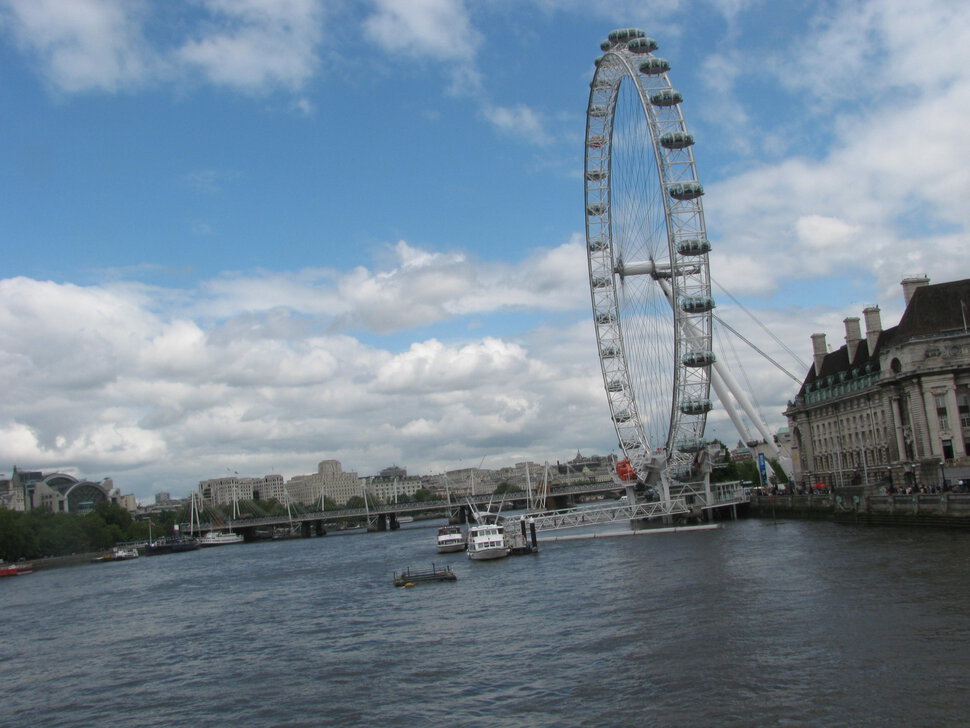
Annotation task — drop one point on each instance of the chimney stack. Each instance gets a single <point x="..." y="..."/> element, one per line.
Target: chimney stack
<point x="873" y="327"/>
<point x="820" y="350"/>
<point x="911" y="283"/>
<point x="853" y="336"/>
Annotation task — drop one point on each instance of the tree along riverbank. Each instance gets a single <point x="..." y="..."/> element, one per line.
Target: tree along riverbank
<point x="39" y="533"/>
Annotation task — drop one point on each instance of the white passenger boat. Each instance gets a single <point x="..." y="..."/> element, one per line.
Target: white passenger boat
<point x="220" y="538"/>
<point x="450" y="538"/>
<point x="487" y="541"/>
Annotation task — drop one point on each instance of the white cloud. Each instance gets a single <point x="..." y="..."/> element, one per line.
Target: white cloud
<point x="518" y="121"/>
<point x="108" y="45"/>
<point x="83" y="45"/>
<point x="265" y="43"/>
<point x="115" y="381"/>
<point x="883" y="194"/>
<point x="437" y="29"/>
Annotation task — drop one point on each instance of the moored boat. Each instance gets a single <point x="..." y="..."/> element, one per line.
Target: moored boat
<point x="118" y="553"/>
<point x="486" y="541"/>
<point x="16" y="569"/>
<point x="220" y="538"/>
<point x="171" y="545"/>
<point x="450" y="538"/>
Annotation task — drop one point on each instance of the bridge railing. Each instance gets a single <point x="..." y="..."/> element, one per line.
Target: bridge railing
<point x="591" y="516"/>
<point x="338" y="514"/>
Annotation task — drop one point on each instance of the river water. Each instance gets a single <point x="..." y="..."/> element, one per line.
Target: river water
<point x="792" y="623"/>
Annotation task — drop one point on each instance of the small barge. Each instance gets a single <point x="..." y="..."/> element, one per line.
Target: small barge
<point x="410" y="577"/>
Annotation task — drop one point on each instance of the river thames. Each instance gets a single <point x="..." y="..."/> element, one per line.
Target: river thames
<point x="794" y="623"/>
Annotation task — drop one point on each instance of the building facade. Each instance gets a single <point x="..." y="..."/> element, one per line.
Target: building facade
<point x="59" y="493"/>
<point x="224" y="491"/>
<point x="330" y="480"/>
<point x="891" y="407"/>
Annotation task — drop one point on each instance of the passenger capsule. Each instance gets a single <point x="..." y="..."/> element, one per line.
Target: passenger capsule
<point x="601" y="282"/>
<point x="642" y="45"/>
<point x="666" y="97"/>
<point x="595" y="175"/>
<point x="697" y="358"/>
<point x="598" y="244"/>
<point x="615" y="385"/>
<point x="676" y="140"/>
<point x="695" y="406"/>
<point x="623" y="35"/>
<point x="596" y="208"/>
<point x="696" y="304"/>
<point x="605" y="317"/>
<point x="622" y="416"/>
<point x="694" y="246"/>
<point x="684" y="191"/>
<point x="596" y="141"/>
<point x="600" y="83"/>
<point x="609" y="352"/>
<point x="605" y="46"/>
<point x="598" y="111"/>
<point x="654" y="66"/>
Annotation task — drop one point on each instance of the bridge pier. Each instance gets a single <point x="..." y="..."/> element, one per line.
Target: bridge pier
<point x="558" y="502"/>
<point x="378" y="523"/>
<point x="459" y="515"/>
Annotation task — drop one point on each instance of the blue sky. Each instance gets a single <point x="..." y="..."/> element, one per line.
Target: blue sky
<point x="249" y="235"/>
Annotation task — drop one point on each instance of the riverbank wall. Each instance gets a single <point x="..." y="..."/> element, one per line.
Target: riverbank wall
<point x="943" y="510"/>
<point x="56" y="562"/>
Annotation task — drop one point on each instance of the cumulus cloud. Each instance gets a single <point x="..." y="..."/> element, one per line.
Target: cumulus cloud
<point x="146" y="386"/>
<point x="438" y="29"/>
<point x="881" y="191"/>
<point x="83" y="45"/>
<point x="414" y="288"/>
<point x="257" y="44"/>
<point x="110" y="45"/>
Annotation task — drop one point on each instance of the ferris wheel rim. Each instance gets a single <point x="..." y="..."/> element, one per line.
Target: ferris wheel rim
<point x="686" y="244"/>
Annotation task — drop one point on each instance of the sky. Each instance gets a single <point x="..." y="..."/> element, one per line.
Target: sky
<point x="244" y="236"/>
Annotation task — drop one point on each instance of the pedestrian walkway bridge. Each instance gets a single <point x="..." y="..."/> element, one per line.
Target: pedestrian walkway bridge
<point x="386" y="517"/>
<point x="721" y="495"/>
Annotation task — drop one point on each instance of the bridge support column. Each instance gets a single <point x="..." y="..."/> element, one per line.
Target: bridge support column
<point x="557" y="502"/>
<point x="392" y="522"/>
<point x="306" y="529"/>
<point x="319" y="529"/>
<point x="378" y="523"/>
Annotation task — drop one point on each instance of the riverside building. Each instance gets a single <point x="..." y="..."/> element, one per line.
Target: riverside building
<point x="330" y="480"/>
<point x="224" y="491"/>
<point x="59" y="493"/>
<point x="891" y="407"/>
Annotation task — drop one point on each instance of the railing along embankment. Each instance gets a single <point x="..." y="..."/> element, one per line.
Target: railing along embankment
<point x="948" y="510"/>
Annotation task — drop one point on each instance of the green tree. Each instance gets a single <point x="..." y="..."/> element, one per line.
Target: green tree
<point x="355" y="501"/>
<point x="507" y="488"/>
<point x="15" y="539"/>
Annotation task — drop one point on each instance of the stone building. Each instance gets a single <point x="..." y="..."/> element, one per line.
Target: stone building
<point x="223" y="491"/>
<point x="389" y="488"/>
<point x="329" y="480"/>
<point x="892" y="406"/>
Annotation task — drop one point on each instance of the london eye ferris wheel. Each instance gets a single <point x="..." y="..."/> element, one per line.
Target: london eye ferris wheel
<point x="648" y="264"/>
